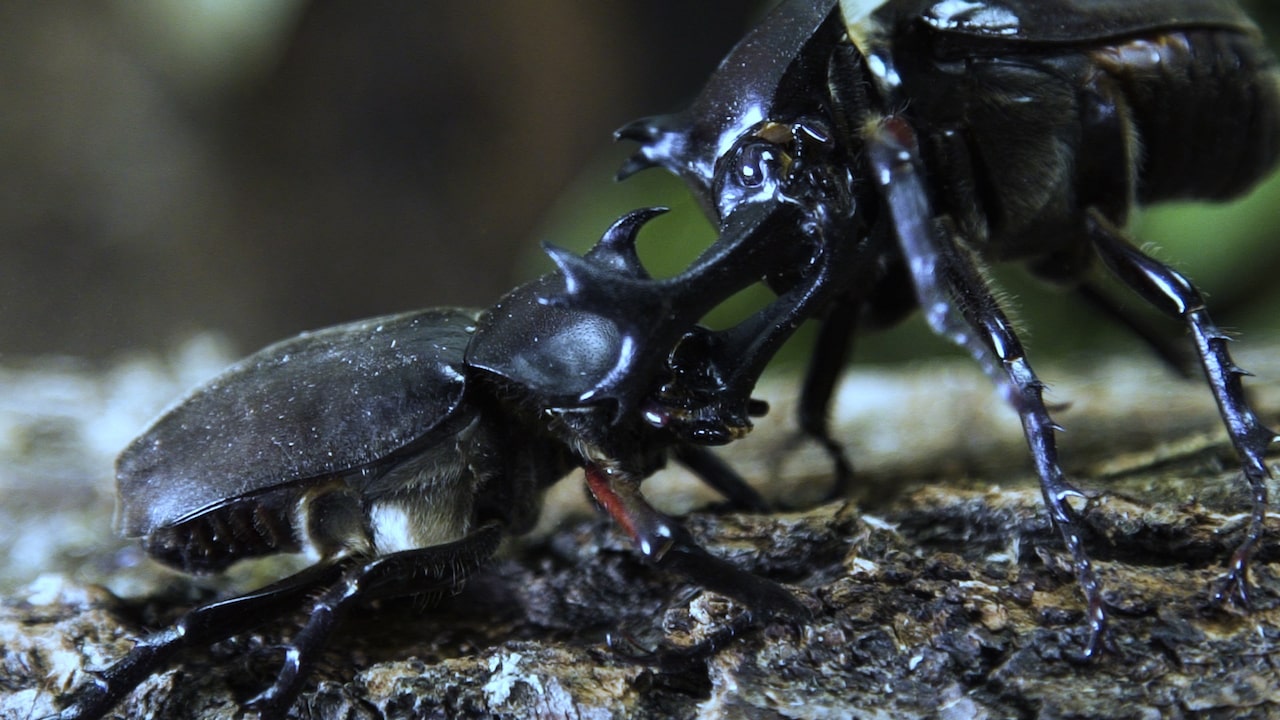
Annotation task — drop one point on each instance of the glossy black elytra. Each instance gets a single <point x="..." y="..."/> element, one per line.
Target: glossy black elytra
<point x="908" y="142"/>
<point x="397" y="451"/>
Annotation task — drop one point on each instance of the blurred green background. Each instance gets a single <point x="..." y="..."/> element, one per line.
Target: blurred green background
<point x="258" y="168"/>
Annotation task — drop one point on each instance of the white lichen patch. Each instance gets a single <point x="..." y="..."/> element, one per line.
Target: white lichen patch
<point x="507" y="673"/>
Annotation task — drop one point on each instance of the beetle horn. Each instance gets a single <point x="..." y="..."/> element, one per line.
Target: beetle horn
<point x="642" y="131"/>
<point x="634" y="164"/>
<point x="609" y="266"/>
<point x="662" y="139"/>
<point x="585" y="279"/>
<point x="617" y="247"/>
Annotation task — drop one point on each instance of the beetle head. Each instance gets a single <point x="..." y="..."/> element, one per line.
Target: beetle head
<point x="768" y="78"/>
<point x="599" y="331"/>
<point x="766" y="146"/>
<point x="697" y="402"/>
<point x="575" y="337"/>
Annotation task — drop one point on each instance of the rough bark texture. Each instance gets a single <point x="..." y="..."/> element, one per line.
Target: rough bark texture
<point x="941" y="592"/>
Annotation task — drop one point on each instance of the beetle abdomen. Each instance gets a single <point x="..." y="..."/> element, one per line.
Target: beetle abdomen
<point x="211" y="541"/>
<point x="1206" y="106"/>
<point x="334" y="401"/>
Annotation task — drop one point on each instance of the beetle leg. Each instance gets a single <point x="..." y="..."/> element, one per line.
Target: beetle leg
<point x="1160" y="343"/>
<point x="958" y="305"/>
<point x="721" y="477"/>
<point x="200" y="626"/>
<point x="835" y="339"/>
<point x="426" y="570"/>
<point x="1071" y="270"/>
<point x="1172" y="293"/>
<point x="664" y="542"/>
<point x="672" y="659"/>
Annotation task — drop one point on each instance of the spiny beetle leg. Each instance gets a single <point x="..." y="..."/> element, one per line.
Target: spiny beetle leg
<point x="434" y="569"/>
<point x="664" y="542"/>
<point x="958" y="305"/>
<point x="1172" y="293"/>
<point x="200" y="626"/>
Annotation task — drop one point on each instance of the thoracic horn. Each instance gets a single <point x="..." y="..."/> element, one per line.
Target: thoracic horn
<point x="617" y="247"/>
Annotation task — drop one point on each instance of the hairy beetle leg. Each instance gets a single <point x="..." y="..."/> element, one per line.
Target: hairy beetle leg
<point x="664" y="542"/>
<point x="959" y="306"/>
<point x="1172" y="293"/>
<point x="438" y="568"/>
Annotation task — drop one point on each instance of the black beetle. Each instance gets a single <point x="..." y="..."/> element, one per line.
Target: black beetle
<point x="397" y="451"/>
<point x="912" y="141"/>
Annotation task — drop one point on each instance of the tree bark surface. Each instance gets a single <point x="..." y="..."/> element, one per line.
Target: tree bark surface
<point x="939" y="590"/>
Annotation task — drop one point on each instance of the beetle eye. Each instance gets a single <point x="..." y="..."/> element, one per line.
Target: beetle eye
<point x="753" y="171"/>
<point x="757" y="162"/>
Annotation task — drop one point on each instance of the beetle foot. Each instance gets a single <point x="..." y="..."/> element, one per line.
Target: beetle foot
<point x="767" y="600"/>
<point x="269" y="704"/>
<point x="670" y="657"/>
<point x="274" y="702"/>
<point x="1098" y="643"/>
<point x="679" y="657"/>
<point x="91" y="701"/>
<point x="1099" y="637"/>
<point x="1067" y="520"/>
<point x="842" y="472"/>
<point x="1233" y="587"/>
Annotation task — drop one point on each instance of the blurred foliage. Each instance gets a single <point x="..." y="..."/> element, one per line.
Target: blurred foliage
<point x="262" y="168"/>
<point x="211" y="47"/>
<point x="259" y="168"/>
